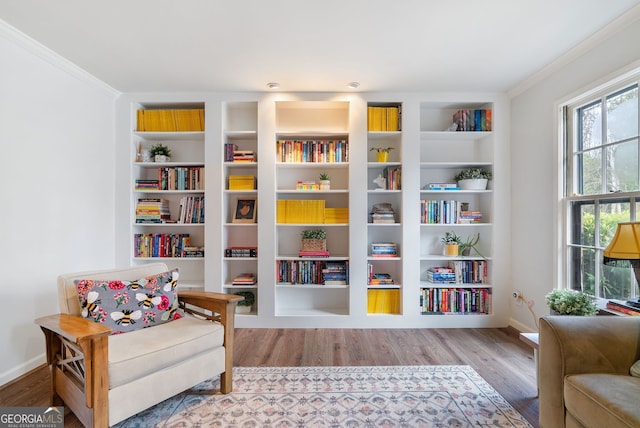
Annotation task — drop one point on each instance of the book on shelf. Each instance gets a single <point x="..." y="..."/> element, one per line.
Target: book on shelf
<point x="165" y="245"/>
<point x="383" y="218"/>
<point x="170" y="120"/>
<point x="307" y="151"/>
<point x="304" y="253"/>
<point x="144" y="184"/>
<point x="393" y="177"/>
<point x="383" y="301"/>
<point x="300" y="211"/>
<point x="384" y="249"/>
<point x="237" y="251"/>
<point x="307" y="185"/>
<point x="621" y="306"/>
<point x="180" y="178"/>
<point x="152" y="210"/>
<point x="244" y="279"/>
<point x="384" y="118"/>
<point x="242" y="182"/>
<point x="191" y="210"/>
<point x="473" y="119"/>
<point x="455" y="301"/>
<point x="336" y="215"/>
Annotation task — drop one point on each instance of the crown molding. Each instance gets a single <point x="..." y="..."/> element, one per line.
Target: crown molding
<point x="14" y="35"/>
<point x="629" y="17"/>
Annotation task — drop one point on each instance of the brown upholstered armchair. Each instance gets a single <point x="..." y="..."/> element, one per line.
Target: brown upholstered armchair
<point x="95" y="373"/>
<point x="584" y="374"/>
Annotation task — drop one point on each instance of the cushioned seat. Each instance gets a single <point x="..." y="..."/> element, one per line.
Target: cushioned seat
<point x="604" y="400"/>
<point x="150" y="350"/>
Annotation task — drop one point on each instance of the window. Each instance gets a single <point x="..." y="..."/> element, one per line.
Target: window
<point x="602" y="186"/>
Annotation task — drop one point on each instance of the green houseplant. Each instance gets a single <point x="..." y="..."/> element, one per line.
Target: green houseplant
<point x="470" y="244"/>
<point x="473" y="178"/>
<point x="314" y="240"/>
<point x="160" y="152"/>
<point x="451" y="243"/>
<point x="383" y="153"/>
<point x="570" y="302"/>
<point x="245" y="306"/>
<point x="325" y="181"/>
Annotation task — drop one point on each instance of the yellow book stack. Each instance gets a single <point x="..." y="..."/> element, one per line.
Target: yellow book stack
<point x="385" y="301"/>
<point x="336" y="215"/>
<point x="242" y="182"/>
<point x="300" y="211"/>
<point x="383" y="119"/>
<point x="181" y="120"/>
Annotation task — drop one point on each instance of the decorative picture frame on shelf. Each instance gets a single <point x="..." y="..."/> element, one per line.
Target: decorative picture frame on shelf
<point x="245" y="210"/>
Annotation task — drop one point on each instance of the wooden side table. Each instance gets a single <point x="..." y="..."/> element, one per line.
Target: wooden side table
<point x="533" y="340"/>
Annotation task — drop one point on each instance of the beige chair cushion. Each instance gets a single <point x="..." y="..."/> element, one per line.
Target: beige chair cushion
<point x="150" y="350"/>
<point x="603" y="400"/>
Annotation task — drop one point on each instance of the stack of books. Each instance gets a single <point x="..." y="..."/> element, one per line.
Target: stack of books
<point x="307" y="185"/>
<point x="309" y="211"/>
<point x="384" y="249"/>
<point x="441" y="186"/>
<point x="244" y="279"/>
<point x="313" y="253"/>
<point x="383" y="213"/>
<point x="142" y="184"/>
<point x="243" y="156"/>
<point x="441" y="275"/>
<point x="335" y="273"/>
<point x="336" y="215"/>
<point x="381" y="279"/>
<point x="241" y="252"/>
<point x="191" y="251"/>
<point x="152" y="210"/>
<point x="470" y="217"/>
<point x="620" y="306"/>
<point x="242" y="182"/>
<point x="386" y="119"/>
<point x="177" y="120"/>
<point x="473" y="120"/>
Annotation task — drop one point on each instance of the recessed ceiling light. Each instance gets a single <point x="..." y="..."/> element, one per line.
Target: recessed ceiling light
<point x="273" y="85"/>
<point x="353" y="85"/>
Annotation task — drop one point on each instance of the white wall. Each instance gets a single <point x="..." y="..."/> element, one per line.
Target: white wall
<point x="56" y="188"/>
<point x="533" y="164"/>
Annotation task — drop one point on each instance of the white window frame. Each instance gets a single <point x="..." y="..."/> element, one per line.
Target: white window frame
<point x="564" y="168"/>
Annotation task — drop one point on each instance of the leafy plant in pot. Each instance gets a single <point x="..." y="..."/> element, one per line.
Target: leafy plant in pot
<point x="451" y="243"/>
<point x="570" y="302"/>
<point x="473" y="178"/>
<point x="325" y="181"/>
<point x="245" y="306"/>
<point x="314" y="240"/>
<point x="160" y="153"/>
<point x="383" y="153"/>
<point x="470" y="244"/>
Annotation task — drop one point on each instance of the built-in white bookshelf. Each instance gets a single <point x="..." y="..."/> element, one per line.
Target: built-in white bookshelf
<point x="425" y="150"/>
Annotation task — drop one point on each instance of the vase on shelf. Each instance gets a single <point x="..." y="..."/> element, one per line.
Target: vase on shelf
<point x="383" y="156"/>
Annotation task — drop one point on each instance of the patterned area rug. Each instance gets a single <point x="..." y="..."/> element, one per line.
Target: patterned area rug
<point x="303" y="397"/>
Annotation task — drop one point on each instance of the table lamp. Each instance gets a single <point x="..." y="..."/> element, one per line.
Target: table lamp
<point x="624" y="251"/>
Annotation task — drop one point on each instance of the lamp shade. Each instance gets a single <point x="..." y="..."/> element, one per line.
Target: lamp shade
<point x="624" y="248"/>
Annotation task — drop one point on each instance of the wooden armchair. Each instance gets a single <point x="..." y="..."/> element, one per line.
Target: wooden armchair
<point x="105" y="378"/>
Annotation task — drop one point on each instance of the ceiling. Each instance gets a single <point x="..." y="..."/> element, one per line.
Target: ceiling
<point x="241" y="45"/>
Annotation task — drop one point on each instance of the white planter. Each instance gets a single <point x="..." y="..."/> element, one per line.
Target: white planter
<point x="243" y="309"/>
<point x="161" y="158"/>
<point x="325" y="185"/>
<point x="476" y="184"/>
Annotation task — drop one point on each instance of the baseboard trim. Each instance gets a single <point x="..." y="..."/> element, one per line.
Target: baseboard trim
<point x="17" y="373"/>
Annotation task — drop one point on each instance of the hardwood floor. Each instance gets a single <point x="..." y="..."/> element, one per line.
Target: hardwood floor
<point x="496" y="354"/>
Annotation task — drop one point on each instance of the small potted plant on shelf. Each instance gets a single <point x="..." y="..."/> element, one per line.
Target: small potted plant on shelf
<point x="245" y="306"/>
<point x="470" y="244"/>
<point x="160" y="153"/>
<point x="325" y="181"/>
<point x="473" y="179"/>
<point x="383" y="153"/>
<point x="314" y="240"/>
<point x="451" y="243"/>
<point x="570" y="302"/>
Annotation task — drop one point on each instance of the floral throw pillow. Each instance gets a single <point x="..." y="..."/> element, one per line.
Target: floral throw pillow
<point x="130" y="305"/>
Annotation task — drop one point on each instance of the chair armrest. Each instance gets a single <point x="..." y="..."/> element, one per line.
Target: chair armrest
<point x="72" y="328"/>
<point x="573" y="345"/>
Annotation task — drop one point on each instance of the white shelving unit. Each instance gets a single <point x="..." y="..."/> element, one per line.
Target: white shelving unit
<point x="424" y="151"/>
<point x="187" y="151"/>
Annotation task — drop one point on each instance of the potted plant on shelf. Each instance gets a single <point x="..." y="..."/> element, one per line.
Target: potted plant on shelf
<point x="160" y="153"/>
<point x="245" y="306"/>
<point x="570" y="302"/>
<point x="325" y="181"/>
<point x="383" y="153"/>
<point x="473" y="179"/>
<point x="451" y="243"/>
<point x="314" y="240"/>
<point x="470" y="244"/>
